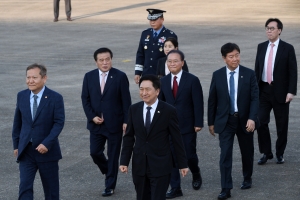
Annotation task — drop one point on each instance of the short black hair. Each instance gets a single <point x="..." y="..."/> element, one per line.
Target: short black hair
<point x="178" y="52"/>
<point x="279" y="23"/>
<point x="172" y="40"/>
<point x="150" y="77"/>
<point x="43" y="69"/>
<point x="229" y="47"/>
<point x="103" y="50"/>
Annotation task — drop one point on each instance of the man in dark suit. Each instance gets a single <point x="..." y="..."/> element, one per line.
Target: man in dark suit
<point x="232" y="109"/>
<point x="151" y="44"/>
<point x="150" y="124"/>
<point x="183" y="90"/>
<point x="39" y="119"/>
<point x="276" y="73"/>
<point x="105" y="100"/>
<point x="68" y="9"/>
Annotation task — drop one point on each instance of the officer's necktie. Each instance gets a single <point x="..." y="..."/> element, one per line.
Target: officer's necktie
<point x="103" y="82"/>
<point x="232" y="92"/>
<point x="34" y="107"/>
<point x="269" y="67"/>
<point x="148" y="119"/>
<point x="175" y="86"/>
<point x="154" y="35"/>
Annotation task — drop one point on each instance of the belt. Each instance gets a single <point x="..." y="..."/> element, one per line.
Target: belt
<point x="236" y="114"/>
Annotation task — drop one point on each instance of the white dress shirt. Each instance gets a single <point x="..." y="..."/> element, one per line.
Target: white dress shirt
<point x="152" y="111"/>
<point x="264" y="74"/>
<point x="100" y="76"/>
<point x="177" y="79"/>
<point x="38" y="100"/>
<point x="236" y="80"/>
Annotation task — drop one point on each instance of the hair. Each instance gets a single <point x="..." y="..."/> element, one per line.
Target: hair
<point x="43" y="69"/>
<point x="103" y="50"/>
<point x="150" y="77"/>
<point x="172" y="40"/>
<point x="229" y="47"/>
<point x="279" y="23"/>
<point x="178" y="52"/>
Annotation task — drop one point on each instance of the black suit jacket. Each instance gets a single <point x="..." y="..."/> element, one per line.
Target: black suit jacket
<point x="219" y="100"/>
<point x="285" y="69"/>
<point x="155" y="145"/>
<point x="160" y="71"/>
<point x="188" y="101"/>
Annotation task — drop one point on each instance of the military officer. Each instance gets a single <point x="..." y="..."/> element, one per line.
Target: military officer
<point x="150" y="48"/>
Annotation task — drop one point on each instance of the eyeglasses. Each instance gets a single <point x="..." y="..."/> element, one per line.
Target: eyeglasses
<point x="105" y="59"/>
<point x="270" y="28"/>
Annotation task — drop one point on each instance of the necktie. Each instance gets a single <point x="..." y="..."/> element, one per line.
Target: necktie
<point x="154" y="35"/>
<point x="232" y="92"/>
<point x="103" y="82"/>
<point x="175" y="86"/>
<point x="148" y="119"/>
<point x="269" y="67"/>
<point x="34" y="107"/>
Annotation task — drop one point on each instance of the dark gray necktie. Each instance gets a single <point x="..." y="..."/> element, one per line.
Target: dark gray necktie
<point x="232" y="92"/>
<point x="34" y="107"/>
<point x="148" y="119"/>
<point x="155" y="35"/>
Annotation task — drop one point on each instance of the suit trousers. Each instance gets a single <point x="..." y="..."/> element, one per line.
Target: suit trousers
<point x="246" y="144"/>
<point x="281" y="112"/>
<point x="48" y="172"/>
<point x="151" y="188"/>
<point x="68" y="8"/>
<point x="110" y="165"/>
<point x="190" y="143"/>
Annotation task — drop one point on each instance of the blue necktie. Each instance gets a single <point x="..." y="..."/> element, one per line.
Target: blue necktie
<point x="148" y="119"/>
<point x="232" y="92"/>
<point x="155" y="35"/>
<point x="34" y="107"/>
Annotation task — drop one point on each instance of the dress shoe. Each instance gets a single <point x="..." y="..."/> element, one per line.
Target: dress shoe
<point x="197" y="181"/>
<point x="173" y="193"/>
<point x="280" y="160"/>
<point x="225" y="193"/>
<point x="265" y="158"/>
<point x="55" y="20"/>
<point x="69" y="18"/>
<point x="246" y="184"/>
<point x="107" y="192"/>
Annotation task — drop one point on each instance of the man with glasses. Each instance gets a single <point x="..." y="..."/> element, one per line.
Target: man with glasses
<point x="151" y="44"/>
<point x="276" y="73"/>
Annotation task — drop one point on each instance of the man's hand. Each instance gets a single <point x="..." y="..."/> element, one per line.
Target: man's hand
<point x="250" y="125"/>
<point x="197" y="129"/>
<point x="124" y="128"/>
<point x="16" y="152"/>
<point x="123" y="169"/>
<point x="42" y="149"/>
<point x="137" y="79"/>
<point x="98" y="120"/>
<point x="289" y="97"/>
<point x="212" y="130"/>
<point x="184" y="171"/>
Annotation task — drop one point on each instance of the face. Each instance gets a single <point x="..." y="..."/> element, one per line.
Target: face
<point x="272" y="31"/>
<point x="232" y="60"/>
<point x="104" y="62"/>
<point x="156" y="24"/>
<point x="34" y="80"/>
<point x="148" y="93"/>
<point x="174" y="63"/>
<point x="168" y="46"/>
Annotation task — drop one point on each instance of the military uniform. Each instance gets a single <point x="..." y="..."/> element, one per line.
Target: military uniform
<point x="151" y="50"/>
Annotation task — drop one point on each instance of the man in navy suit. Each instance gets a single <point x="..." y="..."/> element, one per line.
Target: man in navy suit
<point x="276" y="73"/>
<point x="39" y="119"/>
<point x="232" y="109"/>
<point x="183" y="90"/>
<point x="105" y="99"/>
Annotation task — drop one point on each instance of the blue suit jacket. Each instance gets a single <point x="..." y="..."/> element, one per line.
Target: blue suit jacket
<point x="113" y="103"/>
<point x="188" y="101"/>
<point x="219" y="100"/>
<point x="44" y="129"/>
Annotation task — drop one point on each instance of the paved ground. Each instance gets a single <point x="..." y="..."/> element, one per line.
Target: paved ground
<point x="28" y="35"/>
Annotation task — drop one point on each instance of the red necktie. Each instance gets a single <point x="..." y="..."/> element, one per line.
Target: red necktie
<point x="269" y="67"/>
<point x="175" y="86"/>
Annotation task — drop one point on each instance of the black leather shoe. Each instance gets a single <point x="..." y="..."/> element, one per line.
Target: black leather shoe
<point x="225" y="193"/>
<point x="107" y="192"/>
<point x="246" y="184"/>
<point x="173" y="193"/>
<point x="197" y="181"/>
<point x="265" y="158"/>
<point x="280" y="160"/>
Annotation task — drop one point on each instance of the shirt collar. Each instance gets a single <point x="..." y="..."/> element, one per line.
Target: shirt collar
<point x="276" y="43"/>
<point x="40" y="94"/>
<point x="158" y="31"/>
<point x="236" y="70"/>
<point x="154" y="105"/>
<point x="177" y="75"/>
<point x="101" y="72"/>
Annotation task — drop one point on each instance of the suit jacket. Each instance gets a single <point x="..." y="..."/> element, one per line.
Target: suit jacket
<point x="188" y="101"/>
<point x="113" y="103"/>
<point x="154" y="145"/>
<point x="44" y="129"/>
<point x="161" y="67"/>
<point x="219" y="100"/>
<point x="285" y="69"/>
<point x="150" y="50"/>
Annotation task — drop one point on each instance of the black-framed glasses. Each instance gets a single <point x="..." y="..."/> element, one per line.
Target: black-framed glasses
<point x="270" y="28"/>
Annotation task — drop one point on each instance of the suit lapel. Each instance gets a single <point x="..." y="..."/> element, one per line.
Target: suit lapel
<point x="240" y="80"/>
<point x="168" y="86"/>
<point x="280" y="50"/>
<point x="156" y="116"/>
<point x="224" y="82"/>
<point x="27" y="106"/>
<point x="110" y="79"/>
<point x="263" y="55"/>
<point x="44" y="101"/>
<point x="96" y="77"/>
